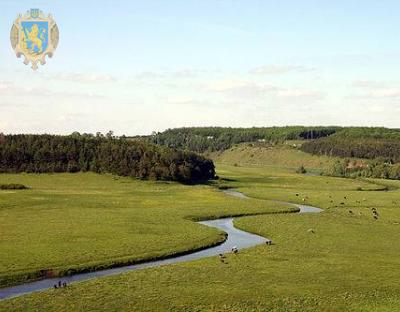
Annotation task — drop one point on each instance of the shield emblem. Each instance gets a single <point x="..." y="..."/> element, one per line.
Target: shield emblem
<point x="34" y="37"/>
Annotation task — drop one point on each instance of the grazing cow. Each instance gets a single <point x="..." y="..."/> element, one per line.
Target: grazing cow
<point x="311" y="231"/>
<point x="297" y="195"/>
<point x="235" y="250"/>
<point x="375" y="217"/>
<point x="350" y="212"/>
<point x="268" y="242"/>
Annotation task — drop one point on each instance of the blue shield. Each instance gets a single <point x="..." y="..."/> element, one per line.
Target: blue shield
<point x="35" y="38"/>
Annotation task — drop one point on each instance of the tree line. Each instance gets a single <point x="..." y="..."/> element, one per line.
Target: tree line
<point x="218" y="138"/>
<point x="388" y="150"/>
<point x="101" y="154"/>
<point x="379" y="147"/>
<point x="367" y="169"/>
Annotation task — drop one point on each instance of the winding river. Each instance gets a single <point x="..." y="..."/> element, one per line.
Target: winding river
<point x="238" y="238"/>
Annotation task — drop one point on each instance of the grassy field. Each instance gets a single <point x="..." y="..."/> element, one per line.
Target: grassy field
<point x="75" y="222"/>
<point x="282" y="156"/>
<point x="350" y="263"/>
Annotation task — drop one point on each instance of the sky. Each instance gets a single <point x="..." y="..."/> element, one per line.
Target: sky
<point x="135" y="67"/>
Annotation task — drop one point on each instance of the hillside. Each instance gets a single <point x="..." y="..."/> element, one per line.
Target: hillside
<point x="294" y="159"/>
<point x="218" y="139"/>
<point x="210" y="139"/>
<point x="369" y="143"/>
<point x="281" y="155"/>
<point x="369" y="132"/>
<point x="346" y="151"/>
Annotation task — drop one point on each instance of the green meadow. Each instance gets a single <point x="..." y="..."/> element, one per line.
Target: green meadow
<point x="282" y="156"/>
<point x="68" y="223"/>
<point x="340" y="260"/>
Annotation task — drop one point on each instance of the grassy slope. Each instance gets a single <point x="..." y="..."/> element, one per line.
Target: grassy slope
<point x="282" y="156"/>
<point x="351" y="263"/>
<point x="80" y="221"/>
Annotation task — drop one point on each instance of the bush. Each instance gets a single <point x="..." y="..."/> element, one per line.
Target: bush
<point x="301" y="170"/>
<point x="13" y="187"/>
<point x="364" y="169"/>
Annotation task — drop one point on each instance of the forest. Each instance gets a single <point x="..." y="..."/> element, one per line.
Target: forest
<point x="375" y="168"/>
<point x="219" y="138"/>
<point x="101" y="154"/>
<point x="362" y="142"/>
<point x="353" y="144"/>
<point x="378" y="147"/>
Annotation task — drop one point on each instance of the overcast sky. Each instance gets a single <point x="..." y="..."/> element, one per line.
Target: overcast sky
<point x="141" y="66"/>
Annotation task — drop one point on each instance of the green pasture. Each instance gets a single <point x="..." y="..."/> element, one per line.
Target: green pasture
<point x="284" y="157"/>
<point x="74" y="222"/>
<point x="340" y="260"/>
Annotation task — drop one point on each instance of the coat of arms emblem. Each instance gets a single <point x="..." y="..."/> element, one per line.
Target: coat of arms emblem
<point x="34" y="36"/>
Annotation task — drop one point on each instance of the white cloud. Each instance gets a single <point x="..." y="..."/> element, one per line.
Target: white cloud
<point x="181" y="100"/>
<point x="378" y="94"/>
<point x="369" y="84"/>
<point x="180" y="73"/>
<point x="301" y="94"/>
<point x="186" y="73"/>
<point x="6" y="87"/>
<point x="12" y="90"/>
<point x="251" y="89"/>
<point x="83" y="78"/>
<point x="231" y="85"/>
<point x="150" y="75"/>
<point x="375" y="90"/>
<point x="376" y="109"/>
<point x="279" y="69"/>
<point x="385" y="93"/>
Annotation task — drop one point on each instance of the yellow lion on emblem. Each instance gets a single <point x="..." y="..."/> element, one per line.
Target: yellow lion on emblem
<point x="35" y="37"/>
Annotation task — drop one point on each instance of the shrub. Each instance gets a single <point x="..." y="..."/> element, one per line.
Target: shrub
<point x="301" y="170"/>
<point x="13" y="187"/>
